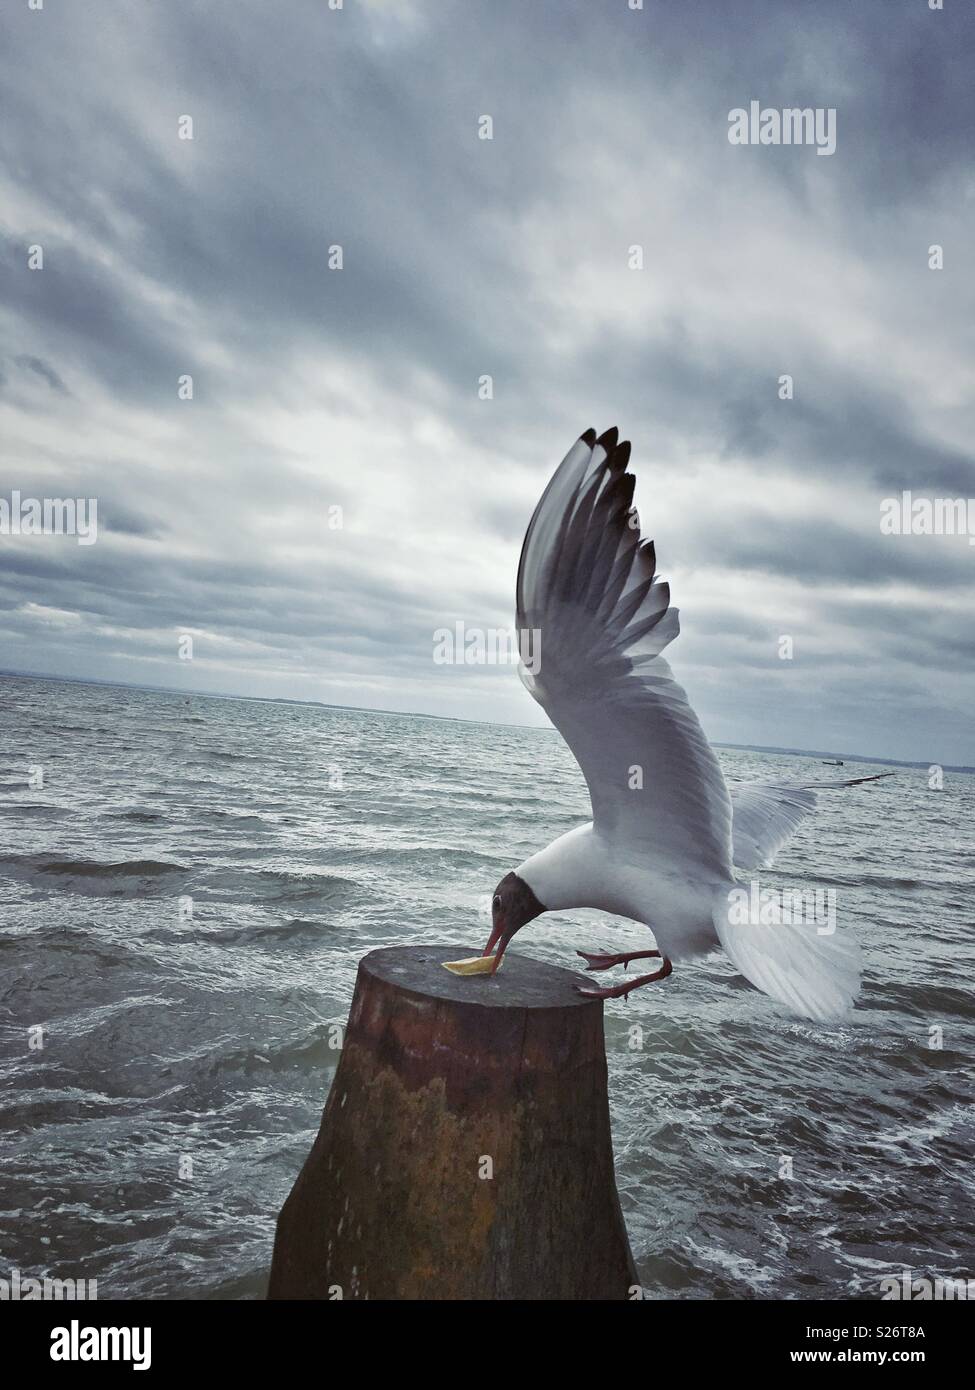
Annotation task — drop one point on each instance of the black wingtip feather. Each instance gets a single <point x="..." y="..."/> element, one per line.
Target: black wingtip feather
<point x="609" y="439"/>
<point x="588" y="437"/>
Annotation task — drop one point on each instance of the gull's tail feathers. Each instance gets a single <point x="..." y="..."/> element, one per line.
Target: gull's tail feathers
<point x="815" y="975"/>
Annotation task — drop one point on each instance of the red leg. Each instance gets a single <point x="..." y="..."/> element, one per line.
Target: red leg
<point x="597" y="962"/>
<point x="621" y="991"/>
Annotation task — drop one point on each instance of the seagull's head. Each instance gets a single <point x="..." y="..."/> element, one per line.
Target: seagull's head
<point x="512" y="905"/>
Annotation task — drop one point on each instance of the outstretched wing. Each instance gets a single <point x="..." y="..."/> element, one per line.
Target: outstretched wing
<point x="595" y="619"/>
<point x="765" y="814"/>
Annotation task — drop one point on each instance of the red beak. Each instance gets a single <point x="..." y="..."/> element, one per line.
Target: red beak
<point x="499" y="937"/>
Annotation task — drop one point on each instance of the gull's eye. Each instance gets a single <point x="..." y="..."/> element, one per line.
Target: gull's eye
<point x="496" y="905"/>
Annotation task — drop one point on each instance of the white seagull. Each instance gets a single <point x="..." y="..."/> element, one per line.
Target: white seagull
<point x="667" y="833"/>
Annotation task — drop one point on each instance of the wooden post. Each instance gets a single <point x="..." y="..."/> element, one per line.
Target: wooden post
<point x="465" y="1148"/>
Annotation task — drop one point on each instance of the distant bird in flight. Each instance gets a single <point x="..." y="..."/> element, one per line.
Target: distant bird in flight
<point x="667" y="832"/>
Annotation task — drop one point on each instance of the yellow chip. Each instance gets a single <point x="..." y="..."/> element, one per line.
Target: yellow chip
<point x="474" y="965"/>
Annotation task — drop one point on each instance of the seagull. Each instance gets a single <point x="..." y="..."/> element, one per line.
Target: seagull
<point x="668" y="835"/>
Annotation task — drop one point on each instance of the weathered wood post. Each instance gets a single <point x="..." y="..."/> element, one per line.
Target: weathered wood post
<point x="465" y="1148"/>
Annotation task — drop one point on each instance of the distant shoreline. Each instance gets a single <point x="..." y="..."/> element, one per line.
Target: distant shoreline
<point x="450" y="718"/>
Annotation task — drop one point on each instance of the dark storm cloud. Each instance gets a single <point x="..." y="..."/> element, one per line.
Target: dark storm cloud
<point x="41" y="369"/>
<point x="314" y="388"/>
<point x="822" y="553"/>
<point x="837" y="422"/>
<point x="86" y="311"/>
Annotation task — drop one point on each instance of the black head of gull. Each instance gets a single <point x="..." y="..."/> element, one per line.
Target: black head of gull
<point x="512" y="906"/>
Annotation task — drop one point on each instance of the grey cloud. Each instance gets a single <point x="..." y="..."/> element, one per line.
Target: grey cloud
<point x="41" y="369"/>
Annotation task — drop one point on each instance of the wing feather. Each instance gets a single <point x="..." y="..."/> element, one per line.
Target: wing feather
<point x="588" y="588"/>
<point x="765" y="815"/>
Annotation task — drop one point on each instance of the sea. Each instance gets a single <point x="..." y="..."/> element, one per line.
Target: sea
<point x="187" y="884"/>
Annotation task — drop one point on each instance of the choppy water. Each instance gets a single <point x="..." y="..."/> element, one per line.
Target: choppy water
<point x="305" y="837"/>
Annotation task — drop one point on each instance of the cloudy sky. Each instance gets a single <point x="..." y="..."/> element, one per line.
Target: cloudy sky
<point x="357" y="388"/>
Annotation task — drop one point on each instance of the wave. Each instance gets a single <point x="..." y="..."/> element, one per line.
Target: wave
<point x="284" y="886"/>
<point x="222" y="755"/>
<point x="128" y="877"/>
<point x="924" y="998"/>
<point x="312" y="1053"/>
<point x="841" y="880"/>
<point x="126" y="868"/>
<point x="235" y="817"/>
<point x="276" y="886"/>
<point x="432" y="858"/>
<point x="296" y="929"/>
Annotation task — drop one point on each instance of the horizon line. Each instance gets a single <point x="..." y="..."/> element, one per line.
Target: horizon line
<point x="453" y="718"/>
